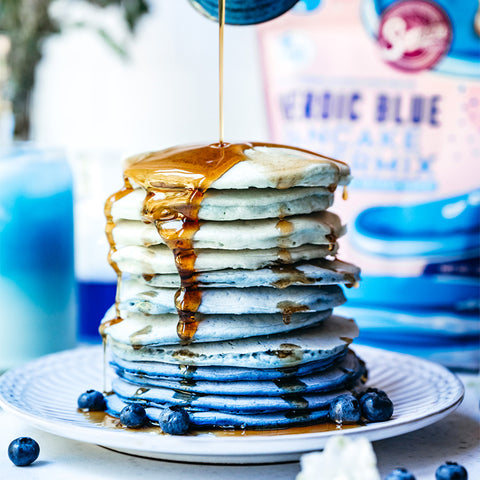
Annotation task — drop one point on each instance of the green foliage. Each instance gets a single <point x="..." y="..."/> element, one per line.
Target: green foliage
<point x="27" y="23"/>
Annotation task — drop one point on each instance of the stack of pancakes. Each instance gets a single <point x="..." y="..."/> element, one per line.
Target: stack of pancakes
<point x="264" y="349"/>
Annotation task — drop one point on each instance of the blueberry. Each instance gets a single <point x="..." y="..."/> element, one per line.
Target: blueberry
<point x="133" y="416"/>
<point x="375" y="405"/>
<point x="451" y="471"/>
<point x="174" y="420"/>
<point x="400" y="474"/>
<point x="23" y="451"/>
<point x="345" y="409"/>
<point x="92" y="400"/>
<point x="373" y="390"/>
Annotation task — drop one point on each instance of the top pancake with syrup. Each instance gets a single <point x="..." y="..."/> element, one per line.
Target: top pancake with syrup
<point x="235" y="166"/>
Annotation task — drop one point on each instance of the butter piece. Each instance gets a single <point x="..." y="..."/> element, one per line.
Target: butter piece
<point x="342" y="459"/>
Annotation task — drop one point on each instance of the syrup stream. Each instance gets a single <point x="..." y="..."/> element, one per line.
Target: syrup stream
<point x="221" y="25"/>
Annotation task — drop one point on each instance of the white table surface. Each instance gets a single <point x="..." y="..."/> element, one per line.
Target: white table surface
<point x="456" y="438"/>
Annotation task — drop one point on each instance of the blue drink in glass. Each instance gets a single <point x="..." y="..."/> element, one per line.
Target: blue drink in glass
<point x="37" y="300"/>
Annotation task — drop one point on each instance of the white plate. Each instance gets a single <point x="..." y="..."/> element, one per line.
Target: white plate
<point x="45" y="393"/>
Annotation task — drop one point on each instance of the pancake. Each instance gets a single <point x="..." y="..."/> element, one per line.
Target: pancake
<point x="247" y="204"/>
<point x="136" y="297"/>
<point x="345" y="372"/>
<point x="321" y="228"/>
<point x="229" y="420"/>
<point x="308" y="393"/>
<point x="159" y="259"/>
<point x="222" y="403"/>
<point x="140" y="329"/>
<point x="280" y="350"/>
<point x="262" y="166"/>
<point x="190" y="373"/>
<point x="316" y="272"/>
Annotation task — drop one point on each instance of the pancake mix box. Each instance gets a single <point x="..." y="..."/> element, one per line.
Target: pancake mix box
<point x="391" y="88"/>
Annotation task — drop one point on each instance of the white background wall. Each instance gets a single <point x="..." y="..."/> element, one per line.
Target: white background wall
<point x="165" y="94"/>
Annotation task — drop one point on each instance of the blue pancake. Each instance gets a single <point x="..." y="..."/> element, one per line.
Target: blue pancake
<point x="344" y="373"/>
<point x="169" y="371"/>
<point x="225" y="419"/>
<point x="136" y="297"/>
<point x="281" y="350"/>
<point x="139" y="329"/>
<point x="315" y="272"/>
<point x="157" y="396"/>
<point x="265" y="421"/>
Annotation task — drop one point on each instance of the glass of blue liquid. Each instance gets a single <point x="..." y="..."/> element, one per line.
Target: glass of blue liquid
<point x="37" y="282"/>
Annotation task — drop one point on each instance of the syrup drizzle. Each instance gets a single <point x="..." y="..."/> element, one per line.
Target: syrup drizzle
<point x="176" y="181"/>
<point x="104" y="420"/>
<point x="221" y="27"/>
<point x="110" y="225"/>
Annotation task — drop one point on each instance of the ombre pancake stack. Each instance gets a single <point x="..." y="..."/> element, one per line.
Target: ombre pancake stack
<point x="229" y="275"/>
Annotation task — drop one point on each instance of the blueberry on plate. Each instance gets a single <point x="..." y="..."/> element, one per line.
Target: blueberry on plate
<point x="375" y="405"/>
<point x="174" y="420"/>
<point x="400" y="474"/>
<point x="133" y="416"/>
<point x="92" y="400"/>
<point x="23" y="451"/>
<point x="451" y="471"/>
<point x="345" y="409"/>
<point x="372" y="390"/>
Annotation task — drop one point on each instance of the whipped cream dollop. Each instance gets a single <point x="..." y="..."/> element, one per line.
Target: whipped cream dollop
<point x="342" y="459"/>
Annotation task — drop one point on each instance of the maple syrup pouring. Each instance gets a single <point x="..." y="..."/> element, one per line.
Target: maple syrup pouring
<point x="221" y="27"/>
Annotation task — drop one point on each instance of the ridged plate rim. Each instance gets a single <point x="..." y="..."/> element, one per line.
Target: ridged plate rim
<point x="423" y="392"/>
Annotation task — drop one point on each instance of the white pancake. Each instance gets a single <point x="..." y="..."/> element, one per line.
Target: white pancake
<point x="249" y="204"/>
<point x="159" y="258"/>
<point x="298" y="230"/>
<point x="271" y="351"/>
<point x="137" y="297"/>
<point x="140" y="329"/>
<point x="275" y="167"/>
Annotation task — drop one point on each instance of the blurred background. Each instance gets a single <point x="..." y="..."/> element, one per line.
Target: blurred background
<point x="389" y="86"/>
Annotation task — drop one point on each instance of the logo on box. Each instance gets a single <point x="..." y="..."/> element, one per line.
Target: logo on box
<point x="414" y="35"/>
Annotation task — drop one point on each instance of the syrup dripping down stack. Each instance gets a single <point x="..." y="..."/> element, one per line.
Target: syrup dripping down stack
<point x="226" y="256"/>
